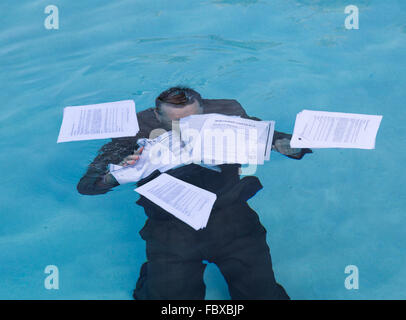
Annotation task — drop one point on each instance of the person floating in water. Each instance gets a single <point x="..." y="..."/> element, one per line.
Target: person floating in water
<point x="234" y="238"/>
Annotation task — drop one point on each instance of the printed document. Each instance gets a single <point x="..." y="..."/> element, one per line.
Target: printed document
<point x="185" y="201"/>
<point x="99" y="121"/>
<point x="218" y="139"/>
<point x="322" y="129"/>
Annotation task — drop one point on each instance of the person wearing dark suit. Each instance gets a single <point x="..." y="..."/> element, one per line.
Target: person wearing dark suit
<point x="234" y="238"/>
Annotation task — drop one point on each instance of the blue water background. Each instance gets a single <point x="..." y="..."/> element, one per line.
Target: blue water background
<point x="334" y="208"/>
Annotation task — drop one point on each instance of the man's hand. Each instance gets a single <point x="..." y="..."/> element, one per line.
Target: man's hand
<point x="283" y="146"/>
<point x="108" y="178"/>
<point x="132" y="158"/>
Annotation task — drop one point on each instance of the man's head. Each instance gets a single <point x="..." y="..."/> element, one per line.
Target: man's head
<point x="176" y="103"/>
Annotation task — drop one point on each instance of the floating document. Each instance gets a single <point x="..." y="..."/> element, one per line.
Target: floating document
<point x="218" y="139"/>
<point x="321" y="129"/>
<point x="99" y="121"/>
<point x="185" y="201"/>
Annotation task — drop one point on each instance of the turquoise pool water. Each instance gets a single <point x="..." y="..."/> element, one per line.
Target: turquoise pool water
<point x="332" y="209"/>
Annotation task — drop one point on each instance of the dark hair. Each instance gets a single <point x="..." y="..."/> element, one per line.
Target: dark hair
<point x="178" y="97"/>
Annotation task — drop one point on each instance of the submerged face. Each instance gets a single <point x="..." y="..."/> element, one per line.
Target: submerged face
<point x="171" y="113"/>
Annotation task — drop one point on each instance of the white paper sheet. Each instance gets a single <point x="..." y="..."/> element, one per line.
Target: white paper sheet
<point x="322" y="129"/>
<point x="99" y="121"/>
<point x="185" y="201"/>
<point x="227" y="139"/>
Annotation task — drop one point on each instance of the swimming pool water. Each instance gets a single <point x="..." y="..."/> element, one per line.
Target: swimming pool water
<point x="332" y="209"/>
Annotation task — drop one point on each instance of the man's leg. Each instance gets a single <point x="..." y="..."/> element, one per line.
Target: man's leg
<point x="174" y="269"/>
<point x="245" y="261"/>
<point x="163" y="280"/>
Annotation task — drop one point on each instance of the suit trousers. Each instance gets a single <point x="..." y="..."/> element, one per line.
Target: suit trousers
<point x="234" y="239"/>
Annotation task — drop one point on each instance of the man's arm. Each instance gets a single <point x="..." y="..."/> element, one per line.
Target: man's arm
<point x="280" y="141"/>
<point x="97" y="179"/>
